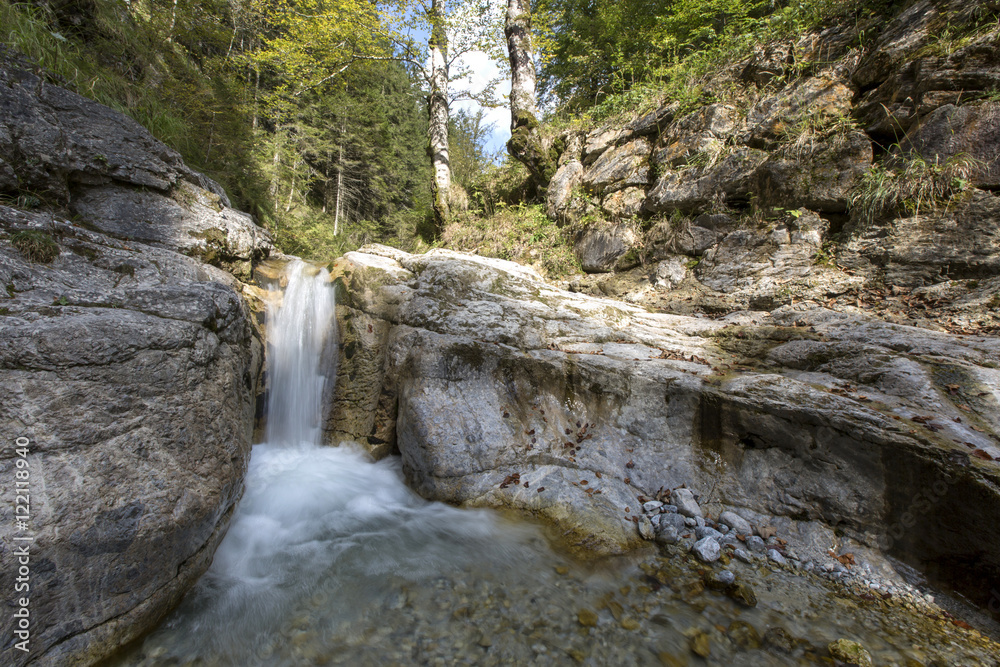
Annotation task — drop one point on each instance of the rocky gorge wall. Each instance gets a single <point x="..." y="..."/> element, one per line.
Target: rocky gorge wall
<point x="129" y="360"/>
<point x="853" y="158"/>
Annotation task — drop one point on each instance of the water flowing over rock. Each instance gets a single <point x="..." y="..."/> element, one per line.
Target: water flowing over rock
<point x="490" y="375"/>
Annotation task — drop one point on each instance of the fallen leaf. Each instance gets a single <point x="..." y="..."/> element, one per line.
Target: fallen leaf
<point x="980" y="454"/>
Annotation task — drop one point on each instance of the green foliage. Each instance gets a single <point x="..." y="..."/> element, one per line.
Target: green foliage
<point x="910" y="184"/>
<point x="519" y="233"/>
<point x="36" y="246"/>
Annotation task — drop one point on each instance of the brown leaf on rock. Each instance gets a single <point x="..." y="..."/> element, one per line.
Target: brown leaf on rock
<point x="513" y="478"/>
<point x="980" y="454"/>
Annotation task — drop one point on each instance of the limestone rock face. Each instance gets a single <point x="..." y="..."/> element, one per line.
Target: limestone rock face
<point x="507" y="392"/>
<point x="952" y="132"/>
<point x="128" y="363"/>
<point x="131" y="370"/>
<point x="599" y="249"/>
<point x="113" y="174"/>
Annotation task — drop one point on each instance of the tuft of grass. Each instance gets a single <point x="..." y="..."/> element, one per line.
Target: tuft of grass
<point x="519" y="233"/>
<point x="911" y="184"/>
<point x="36" y="246"/>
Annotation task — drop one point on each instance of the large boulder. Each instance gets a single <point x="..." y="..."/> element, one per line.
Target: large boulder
<point x="507" y="392"/>
<point x="969" y="133"/>
<point x="129" y="366"/>
<point x="131" y="371"/>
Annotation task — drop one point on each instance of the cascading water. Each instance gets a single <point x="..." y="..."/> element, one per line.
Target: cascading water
<point x="331" y="559"/>
<point x="300" y="331"/>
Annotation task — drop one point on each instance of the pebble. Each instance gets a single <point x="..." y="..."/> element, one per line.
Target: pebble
<point x="707" y="550"/>
<point x="686" y="504"/>
<point x="736" y="523"/>
<point x="669" y="509"/>
<point x="720" y="579"/>
<point x="850" y="652"/>
<point x="705" y="531"/>
<point x="646" y="528"/>
<point x="587" y="618"/>
<point x="667" y="534"/>
<point x="775" y="555"/>
<point x="743" y="556"/>
<point x="690" y="523"/>
<point x="652" y="506"/>
<point x="755" y="544"/>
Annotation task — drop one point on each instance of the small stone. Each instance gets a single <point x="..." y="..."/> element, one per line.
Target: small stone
<point x="719" y="580"/>
<point x="646" y="528"/>
<point x="743" y="556"/>
<point x="577" y="654"/>
<point x="690" y="523"/>
<point x="562" y="569"/>
<point x="778" y="639"/>
<point x="652" y="506"/>
<point x="775" y="555"/>
<point x="850" y="652"/>
<point x="743" y="593"/>
<point x="485" y="641"/>
<point x="667" y="534"/>
<point x="700" y="522"/>
<point x="701" y="645"/>
<point x="723" y="528"/>
<point x="669" y="509"/>
<point x="704" y="532"/>
<point x="630" y="623"/>
<point x="707" y="550"/>
<point x="736" y="523"/>
<point x="587" y="618"/>
<point x="686" y="504"/>
<point x="744" y="635"/>
<point x="756" y="544"/>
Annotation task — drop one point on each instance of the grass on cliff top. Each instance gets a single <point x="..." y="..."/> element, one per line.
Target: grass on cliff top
<point x="521" y="233"/>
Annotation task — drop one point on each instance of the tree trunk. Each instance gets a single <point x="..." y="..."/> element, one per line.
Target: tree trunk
<point x="340" y="189"/>
<point x="525" y="144"/>
<point x="437" y="108"/>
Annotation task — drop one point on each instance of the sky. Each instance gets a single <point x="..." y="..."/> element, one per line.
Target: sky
<point x="483" y="70"/>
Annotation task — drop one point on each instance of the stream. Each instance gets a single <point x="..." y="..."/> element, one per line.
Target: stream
<point x="331" y="559"/>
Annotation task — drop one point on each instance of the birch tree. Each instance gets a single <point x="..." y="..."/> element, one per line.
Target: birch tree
<point x="526" y="144"/>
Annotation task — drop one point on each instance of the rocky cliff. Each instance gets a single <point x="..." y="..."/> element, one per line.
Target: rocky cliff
<point x="129" y="361"/>
<point x="854" y="163"/>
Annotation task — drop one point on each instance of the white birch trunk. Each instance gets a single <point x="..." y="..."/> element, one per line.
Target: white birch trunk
<point x="517" y="29"/>
<point x="437" y="107"/>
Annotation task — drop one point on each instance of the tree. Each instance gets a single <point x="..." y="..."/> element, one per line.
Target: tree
<point x="525" y="143"/>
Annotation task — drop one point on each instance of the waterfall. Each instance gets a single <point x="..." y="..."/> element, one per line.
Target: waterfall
<point x="301" y="331"/>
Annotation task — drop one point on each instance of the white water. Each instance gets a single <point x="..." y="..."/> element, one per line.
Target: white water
<point x="320" y="522"/>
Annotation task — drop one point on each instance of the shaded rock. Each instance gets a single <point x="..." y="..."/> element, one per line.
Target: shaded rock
<point x="137" y="394"/>
<point x="971" y="131"/>
<point x="720" y="579"/>
<point x="193" y="222"/>
<point x="587" y="618"/>
<point x="599" y="249"/>
<point x="961" y="242"/>
<point x="701" y="645"/>
<point x="730" y="179"/>
<point x="819" y="176"/>
<point x="59" y="139"/>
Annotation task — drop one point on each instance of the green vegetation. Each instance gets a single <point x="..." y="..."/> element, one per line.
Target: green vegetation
<point x="521" y="233"/>
<point x="910" y="184"/>
<point x="36" y="246"/>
